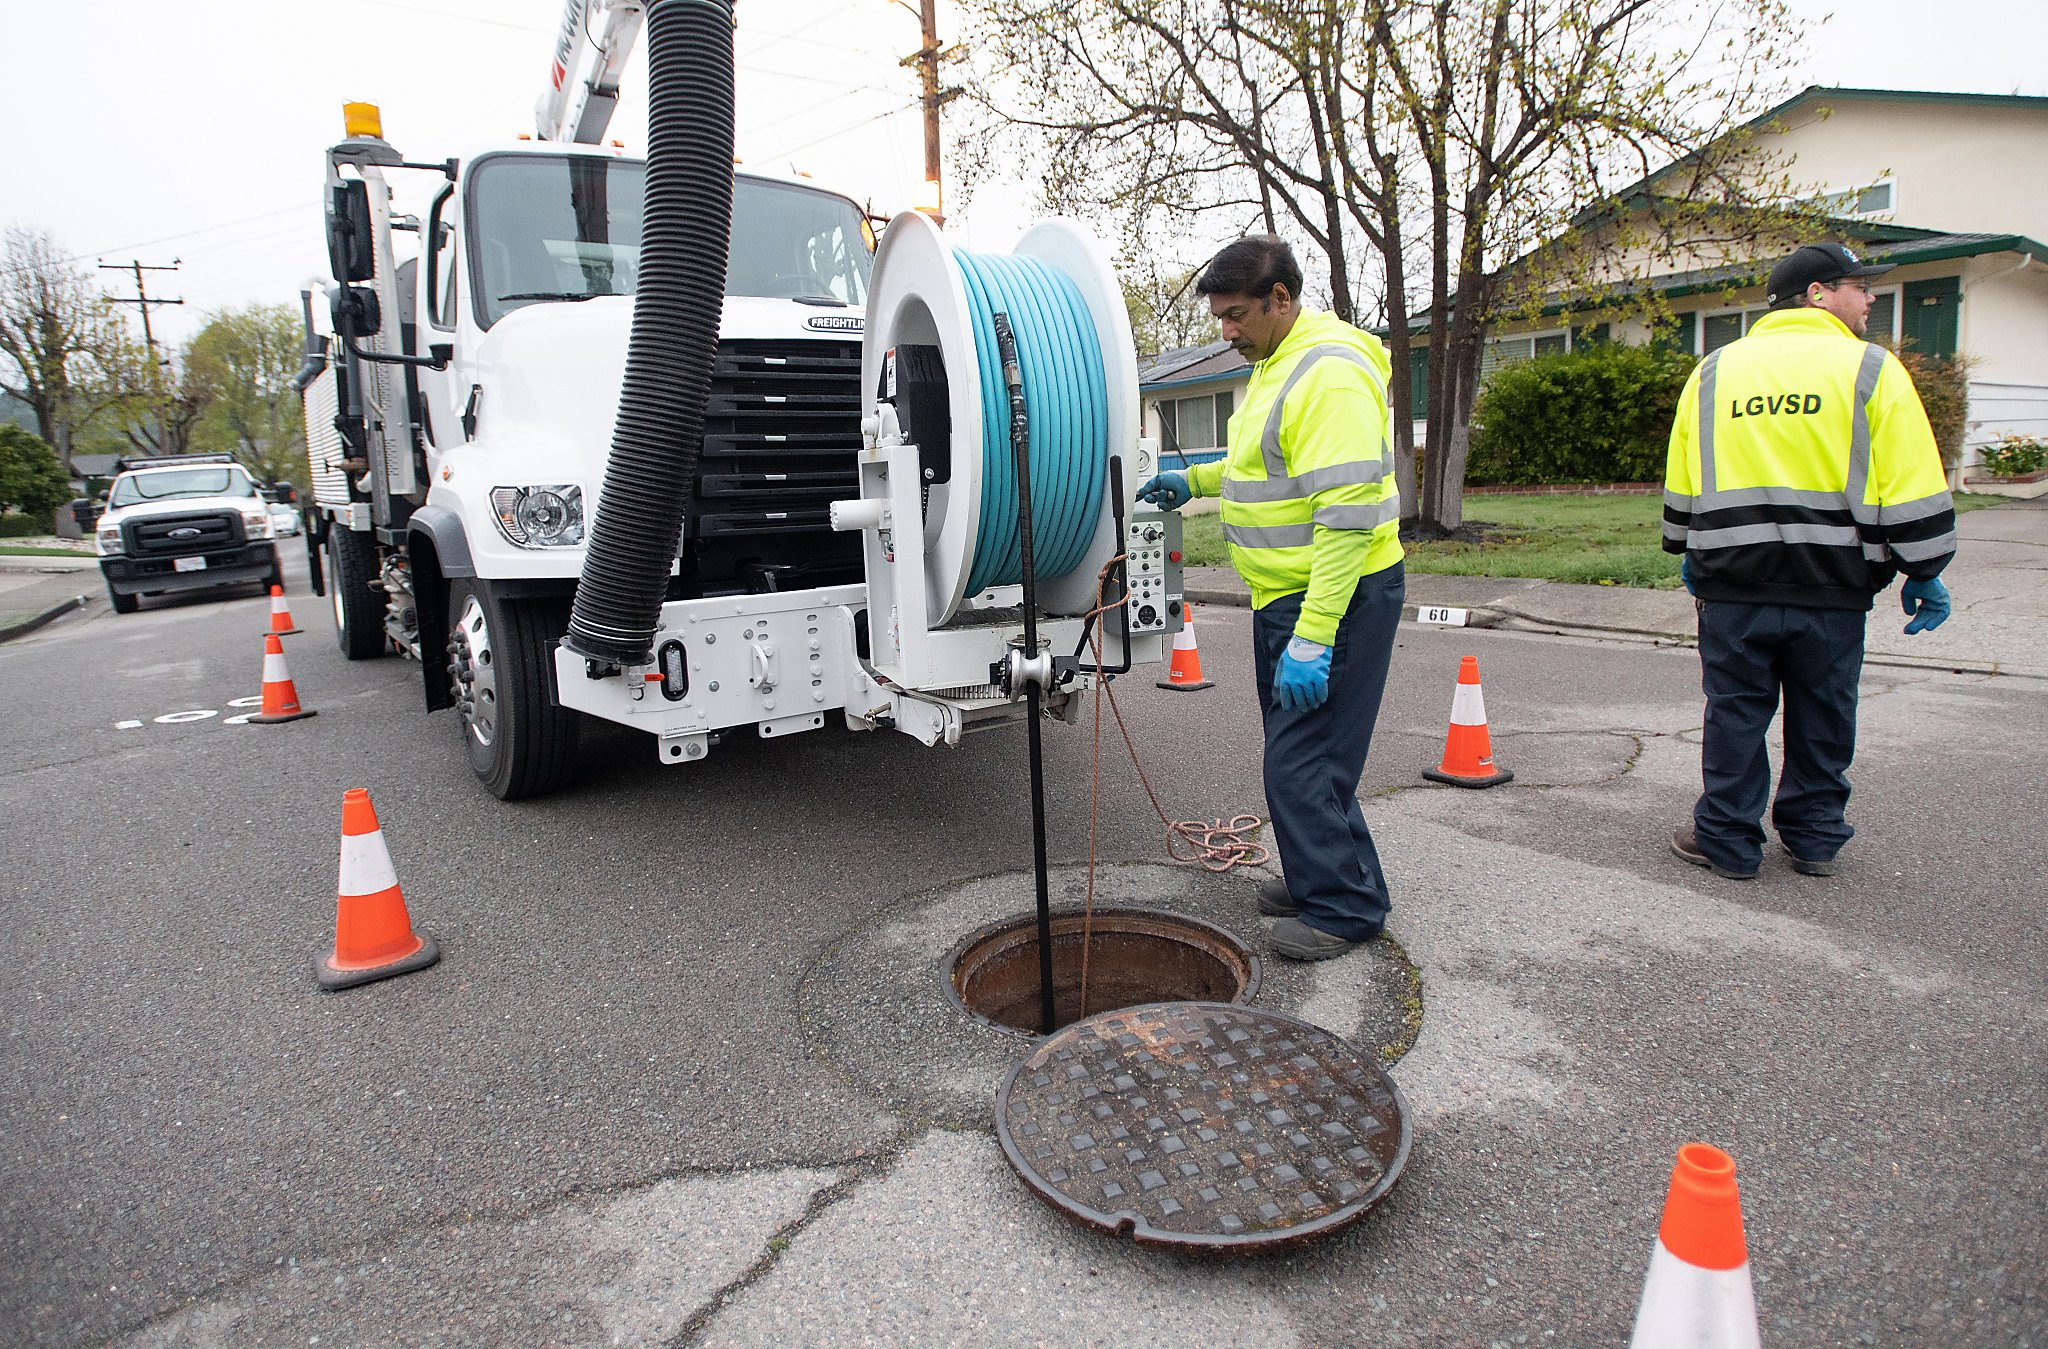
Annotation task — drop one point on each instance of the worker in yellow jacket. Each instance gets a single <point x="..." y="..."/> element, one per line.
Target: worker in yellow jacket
<point x="1802" y="478"/>
<point x="1312" y="517"/>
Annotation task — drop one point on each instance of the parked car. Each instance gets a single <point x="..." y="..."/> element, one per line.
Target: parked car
<point x="186" y="522"/>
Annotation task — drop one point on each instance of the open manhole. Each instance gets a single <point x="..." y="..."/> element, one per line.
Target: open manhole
<point x="1135" y="956"/>
<point x="1204" y="1127"/>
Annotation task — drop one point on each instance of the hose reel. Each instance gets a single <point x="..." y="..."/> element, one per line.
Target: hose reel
<point x="932" y="378"/>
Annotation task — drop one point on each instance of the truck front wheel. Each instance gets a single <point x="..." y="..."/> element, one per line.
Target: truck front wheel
<point x="123" y="604"/>
<point x="358" y="609"/>
<point x="501" y="681"/>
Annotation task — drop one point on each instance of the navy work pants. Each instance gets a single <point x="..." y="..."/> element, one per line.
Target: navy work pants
<point x="1314" y="759"/>
<point x="1750" y="655"/>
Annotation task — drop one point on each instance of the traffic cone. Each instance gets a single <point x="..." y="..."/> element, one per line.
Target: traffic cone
<point x="1185" y="673"/>
<point x="1468" y="751"/>
<point x="280" y="697"/>
<point x="373" y="936"/>
<point x="280" y="615"/>
<point x="1697" y="1295"/>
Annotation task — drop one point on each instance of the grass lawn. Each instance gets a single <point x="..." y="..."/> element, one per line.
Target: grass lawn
<point x="27" y="550"/>
<point x="1591" y="540"/>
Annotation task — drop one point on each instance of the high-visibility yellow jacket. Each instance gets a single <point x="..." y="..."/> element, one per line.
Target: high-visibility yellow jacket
<point x="1802" y="470"/>
<point x="1307" y="482"/>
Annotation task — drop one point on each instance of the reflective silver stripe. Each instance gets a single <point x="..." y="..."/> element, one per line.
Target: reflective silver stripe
<point x="1822" y="500"/>
<point x="1359" y="517"/>
<point x="1680" y="503"/>
<point x="1921" y="549"/>
<point x="1356" y="474"/>
<point x="1875" y="552"/>
<point x="1270" y="536"/>
<point x="1269" y="443"/>
<point x="1905" y="512"/>
<point x="1675" y="532"/>
<point x="1858" y="485"/>
<point x="1707" y="368"/>
<point x="1843" y="536"/>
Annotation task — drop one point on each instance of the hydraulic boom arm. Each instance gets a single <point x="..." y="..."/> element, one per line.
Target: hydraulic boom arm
<point x="590" y="53"/>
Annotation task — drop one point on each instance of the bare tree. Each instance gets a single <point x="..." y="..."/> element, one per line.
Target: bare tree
<point x="61" y="334"/>
<point x="1462" y="145"/>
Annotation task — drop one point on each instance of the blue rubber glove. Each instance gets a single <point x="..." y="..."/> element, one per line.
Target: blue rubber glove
<point x="1169" y="491"/>
<point x="1302" y="683"/>
<point x="1926" y="602"/>
<point x="1685" y="573"/>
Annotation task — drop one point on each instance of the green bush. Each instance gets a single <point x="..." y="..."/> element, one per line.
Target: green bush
<point x="24" y="526"/>
<point x="2015" y="456"/>
<point x="1943" y="383"/>
<point x="31" y="481"/>
<point x="1598" y="415"/>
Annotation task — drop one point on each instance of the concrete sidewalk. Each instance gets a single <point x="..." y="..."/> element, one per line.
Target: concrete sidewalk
<point x="35" y="590"/>
<point x="1999" y="581"/>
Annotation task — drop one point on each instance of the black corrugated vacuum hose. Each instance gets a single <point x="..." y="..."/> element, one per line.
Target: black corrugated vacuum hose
<point x="686" y="227"/>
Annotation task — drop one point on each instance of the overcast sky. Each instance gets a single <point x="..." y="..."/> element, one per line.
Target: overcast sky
<point x="195" y="130"/>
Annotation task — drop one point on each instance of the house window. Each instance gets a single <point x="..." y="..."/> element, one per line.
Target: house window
<point x="1718" y="329"/>
<point x="1198" y="423"/>
<point x="1883" y="324"/>
<point x="1522" y="347"/>
<point x="1856" y="201"/>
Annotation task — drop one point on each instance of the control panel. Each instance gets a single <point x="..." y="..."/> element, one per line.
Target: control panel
<point x="1153" y="545"/>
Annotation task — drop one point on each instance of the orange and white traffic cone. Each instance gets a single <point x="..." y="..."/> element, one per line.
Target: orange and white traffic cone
<point x="1468" y="750"/>
<point x="1697" y="1295"/>
<point x="280" y="615"/>
<point x="1185" y="673"/>
<point x="373" y="936"/>
<point x="280" y="695"/>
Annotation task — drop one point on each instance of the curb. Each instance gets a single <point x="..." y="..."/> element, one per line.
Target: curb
<point x="24" y="626"/>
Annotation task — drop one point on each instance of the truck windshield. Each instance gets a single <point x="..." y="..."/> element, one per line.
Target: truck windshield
<point x="543" y="228"/>
<point x="169" y="484"/>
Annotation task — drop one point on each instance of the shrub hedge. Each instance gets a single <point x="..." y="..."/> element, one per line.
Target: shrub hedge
<point x="1597" y="415"/>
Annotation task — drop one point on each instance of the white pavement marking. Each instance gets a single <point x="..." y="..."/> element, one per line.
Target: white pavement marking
<point x="630" y="1269"/>
<point x="179" y="718"/>
<point x="126" y="725"/>
<point x="950" y="1248"/>
<point x="254" y="700"/>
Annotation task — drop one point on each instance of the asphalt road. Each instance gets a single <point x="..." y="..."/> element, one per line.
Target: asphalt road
<point x="607" y="1116"/>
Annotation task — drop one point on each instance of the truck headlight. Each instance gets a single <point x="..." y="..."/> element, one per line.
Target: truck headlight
<point x="108" y="541"/>
<point x="256" y="526"/>
<point x="549" y="516"/>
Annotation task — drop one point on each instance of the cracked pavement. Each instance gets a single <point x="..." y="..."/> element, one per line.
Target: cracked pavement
<point x="646" y="1098"/>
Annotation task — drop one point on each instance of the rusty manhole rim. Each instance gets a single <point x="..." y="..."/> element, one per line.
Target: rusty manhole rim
<point x="1026" y="924"/>
<point x="1127" y="1223"/>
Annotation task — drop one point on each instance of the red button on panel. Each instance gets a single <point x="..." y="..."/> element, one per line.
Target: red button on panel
<point x="1173" y="556"/>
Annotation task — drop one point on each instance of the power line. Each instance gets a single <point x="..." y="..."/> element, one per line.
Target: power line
<point x="832" y="135"/>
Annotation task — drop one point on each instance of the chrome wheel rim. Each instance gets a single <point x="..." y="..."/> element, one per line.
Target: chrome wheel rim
<point x="472" y="672"/>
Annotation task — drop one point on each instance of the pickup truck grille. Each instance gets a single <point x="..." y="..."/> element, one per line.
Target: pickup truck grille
<point x="781" y="431"/>
<point x="182" y="535"/>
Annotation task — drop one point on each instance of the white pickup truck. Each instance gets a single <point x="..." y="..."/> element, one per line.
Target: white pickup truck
<point x="189" y="522"/>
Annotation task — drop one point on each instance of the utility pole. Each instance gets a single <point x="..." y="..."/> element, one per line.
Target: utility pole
<point x="142" y="300"/>
<point x="932" y="99"/>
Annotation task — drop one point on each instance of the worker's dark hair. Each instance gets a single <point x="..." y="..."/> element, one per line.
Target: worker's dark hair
<point x="1252" y="266"/>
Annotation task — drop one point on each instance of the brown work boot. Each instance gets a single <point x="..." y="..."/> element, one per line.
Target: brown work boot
<point x="1298" y="941"/>
<point x="1274" y="901"/>
<point x="1685" y="843"/>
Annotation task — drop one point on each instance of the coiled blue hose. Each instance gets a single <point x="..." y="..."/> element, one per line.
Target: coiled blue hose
<point x="1067" y="398"/>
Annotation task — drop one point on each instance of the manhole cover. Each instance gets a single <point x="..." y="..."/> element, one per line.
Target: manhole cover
<point x="1204" y="1126"/>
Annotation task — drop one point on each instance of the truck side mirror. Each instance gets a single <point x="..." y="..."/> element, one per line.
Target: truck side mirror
<point x="351" y="241"/>
<point x="355" y="311"/>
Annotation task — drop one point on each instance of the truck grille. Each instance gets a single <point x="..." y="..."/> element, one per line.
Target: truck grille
<point x="167" y="536"/>
<point x="781" y="431"/>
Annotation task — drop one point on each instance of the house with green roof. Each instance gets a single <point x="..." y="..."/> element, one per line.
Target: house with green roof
<point x="1949" y="187"/>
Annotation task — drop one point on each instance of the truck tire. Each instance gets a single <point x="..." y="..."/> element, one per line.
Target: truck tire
<point x="501" y="673"/>
<point x="123" y="604"/>
<point x="358" y="610"/>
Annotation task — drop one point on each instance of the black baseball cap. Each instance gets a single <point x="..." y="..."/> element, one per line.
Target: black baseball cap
<point x="1824" y="263"/>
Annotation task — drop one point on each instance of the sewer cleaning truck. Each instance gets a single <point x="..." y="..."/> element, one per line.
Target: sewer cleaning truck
<point x="675" y="445"/>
